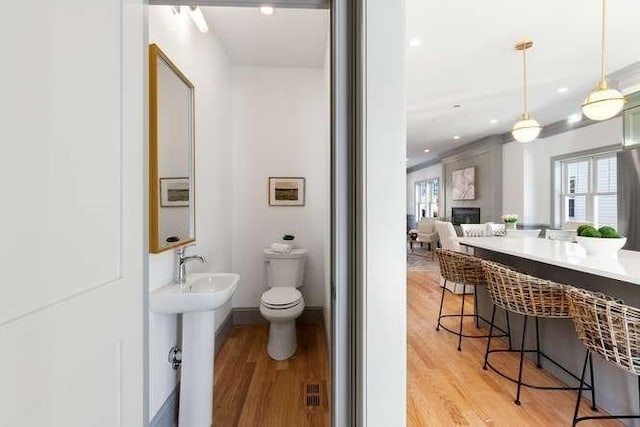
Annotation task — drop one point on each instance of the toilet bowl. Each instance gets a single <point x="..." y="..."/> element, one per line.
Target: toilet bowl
<point x="283" y="303"/>
<point x="281" y="307"/>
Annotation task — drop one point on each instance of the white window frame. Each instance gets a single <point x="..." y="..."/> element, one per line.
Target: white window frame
<point x="560" y="207"/>
<point x="429" y="199"/>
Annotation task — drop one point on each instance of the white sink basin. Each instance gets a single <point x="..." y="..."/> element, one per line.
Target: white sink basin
<point x="201" y="292"/>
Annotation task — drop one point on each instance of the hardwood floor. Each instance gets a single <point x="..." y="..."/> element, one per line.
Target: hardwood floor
<point x="446" y="387"/>
<point x="251" y="389"/>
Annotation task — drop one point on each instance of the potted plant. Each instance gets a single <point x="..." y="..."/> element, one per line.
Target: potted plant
<point x="602" y="241"/>
<point x="510" y="221"/>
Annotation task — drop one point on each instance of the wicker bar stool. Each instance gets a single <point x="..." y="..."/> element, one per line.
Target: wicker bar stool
<point x="610" y="329"/>
<point x="466" y="270"/>
<point x="531" y="297"/>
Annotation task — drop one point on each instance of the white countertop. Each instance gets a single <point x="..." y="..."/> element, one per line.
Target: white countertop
<point x="625" y="266"/>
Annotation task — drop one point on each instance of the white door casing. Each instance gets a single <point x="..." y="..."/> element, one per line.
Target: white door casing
<point x="72" y="254"/>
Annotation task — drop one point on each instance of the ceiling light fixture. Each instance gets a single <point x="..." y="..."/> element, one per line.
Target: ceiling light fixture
<point x="267" y="10"/>
<point x="493" y="121"/>
<point x="526" y="129"/>
<point x="198" y="19"/>
<point x="426" y="150"/>
<point x="563" y="89"/>
<point x="456" y="137"/>
<point x="603" y="102"/>
<point x="415" y="42"/>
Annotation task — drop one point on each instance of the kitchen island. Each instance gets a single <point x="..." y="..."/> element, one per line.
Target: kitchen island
<point x="617" y="275"/>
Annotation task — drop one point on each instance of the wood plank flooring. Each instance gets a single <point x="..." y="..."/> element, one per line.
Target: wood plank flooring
<point x="251" y="389"/>
<point x="446" y="387"/>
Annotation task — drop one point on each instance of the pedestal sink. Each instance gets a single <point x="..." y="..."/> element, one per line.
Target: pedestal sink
<point x="196" y="300"/>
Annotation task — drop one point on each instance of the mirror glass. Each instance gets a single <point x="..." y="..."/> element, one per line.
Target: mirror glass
<point x="171" y="154"/>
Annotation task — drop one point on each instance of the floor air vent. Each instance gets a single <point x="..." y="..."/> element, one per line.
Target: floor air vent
<point x="313" y="388"/>
<point x="313" y="395"/>
<point x="313" y="400"/>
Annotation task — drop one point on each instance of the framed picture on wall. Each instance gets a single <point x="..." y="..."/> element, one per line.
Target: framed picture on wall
<point x="463" y="184"/>
<point x="286" y="191"/>
<point x="174" y="192"/>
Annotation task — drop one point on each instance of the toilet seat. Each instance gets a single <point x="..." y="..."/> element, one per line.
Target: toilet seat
<point x="281" y="298"/>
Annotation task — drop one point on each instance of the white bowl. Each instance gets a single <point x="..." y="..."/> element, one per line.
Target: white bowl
<point x="600" y="246"/>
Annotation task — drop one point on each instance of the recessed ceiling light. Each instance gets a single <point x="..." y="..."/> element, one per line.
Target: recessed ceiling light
<point x="563" y="89"/>
<point x="574" y="118"/>
<point x="415" y="42"/>
<point x="456" y="137"/>
<point x="493" y="121"/>
<point x="267" y="10"/>
<point x="426" y="150"/>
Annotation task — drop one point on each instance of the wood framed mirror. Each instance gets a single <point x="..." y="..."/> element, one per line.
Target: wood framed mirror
<point x="171" y="154"/>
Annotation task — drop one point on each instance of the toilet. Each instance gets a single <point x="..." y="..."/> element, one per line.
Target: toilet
<point x="282" y="303"/>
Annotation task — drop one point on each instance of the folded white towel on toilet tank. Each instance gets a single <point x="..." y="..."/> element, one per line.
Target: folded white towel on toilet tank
<point x="283" y="248"/>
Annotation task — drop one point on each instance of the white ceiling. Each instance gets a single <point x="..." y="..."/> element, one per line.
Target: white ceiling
<point x="288" y="38"/>
<point x="467" y="57"/>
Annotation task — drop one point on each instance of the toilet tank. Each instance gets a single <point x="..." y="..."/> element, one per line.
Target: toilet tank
<point x="285" y="269"/>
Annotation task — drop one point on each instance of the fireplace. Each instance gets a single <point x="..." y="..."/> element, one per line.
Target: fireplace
<point x="465" y="216"/>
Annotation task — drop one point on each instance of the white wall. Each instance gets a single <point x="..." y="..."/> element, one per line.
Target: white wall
<point x="280" y="128"/>
<point x="203" y="60"/>
<point x="527" y="167"/>
<point x="433" y="171"/>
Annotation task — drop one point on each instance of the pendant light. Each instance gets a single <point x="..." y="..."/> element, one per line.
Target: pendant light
<point x="527" y="129"/>
<point x="604" y="102"/>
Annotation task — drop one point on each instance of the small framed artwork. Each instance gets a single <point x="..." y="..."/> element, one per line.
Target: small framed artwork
<point x="174" y="192"/>
<point x="463" y="184"/>
<point x="286" y="191"/>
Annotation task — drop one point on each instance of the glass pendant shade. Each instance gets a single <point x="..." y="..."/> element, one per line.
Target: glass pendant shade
<point x="526" y="130"/>
<point x="603" y="103"/>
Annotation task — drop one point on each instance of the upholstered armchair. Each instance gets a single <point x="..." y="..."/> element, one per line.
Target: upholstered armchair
<point x="447" y="235"/>
<point x="427" y="232"/>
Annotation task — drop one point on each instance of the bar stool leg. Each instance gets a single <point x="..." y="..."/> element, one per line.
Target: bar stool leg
<point x="486" y="353"/>
<point x="539" y="365"/>
<point x="475" y="307"/>
<point x="444" y="288"/>
<point x="593" y="384"/>
<point x="584" y="371"/>
<point x="461" y="319"/>
<point x="506" y="313"/>
<point x="524" y="331"/>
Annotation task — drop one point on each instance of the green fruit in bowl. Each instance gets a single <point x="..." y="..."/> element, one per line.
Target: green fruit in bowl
<point x="590" y="232"/>
<point x="609" y="232"/>
<point x="580" y="229"/>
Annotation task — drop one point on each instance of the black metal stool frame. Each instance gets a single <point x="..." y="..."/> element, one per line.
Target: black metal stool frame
<point x="576" y="419"/>
<point x="475" y="314"/>
<point x="539" y="356"/>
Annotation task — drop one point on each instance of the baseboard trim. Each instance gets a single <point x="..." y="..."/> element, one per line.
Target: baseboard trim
<point x="252" y="316"/>
<point x="223" y="333"/>
<point x="167" y="415"/>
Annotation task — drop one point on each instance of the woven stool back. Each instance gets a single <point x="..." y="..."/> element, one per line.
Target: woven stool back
<point x="460" y="268"/>
<point x="607" y="327"/>
<point x="524" y="294"/>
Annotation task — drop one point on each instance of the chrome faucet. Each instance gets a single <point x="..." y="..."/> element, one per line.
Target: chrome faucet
<point x="182" y="260"/>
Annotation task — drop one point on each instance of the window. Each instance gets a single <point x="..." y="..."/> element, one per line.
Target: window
<point x="589" y="189"/>
<point x="427" y="198"/>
